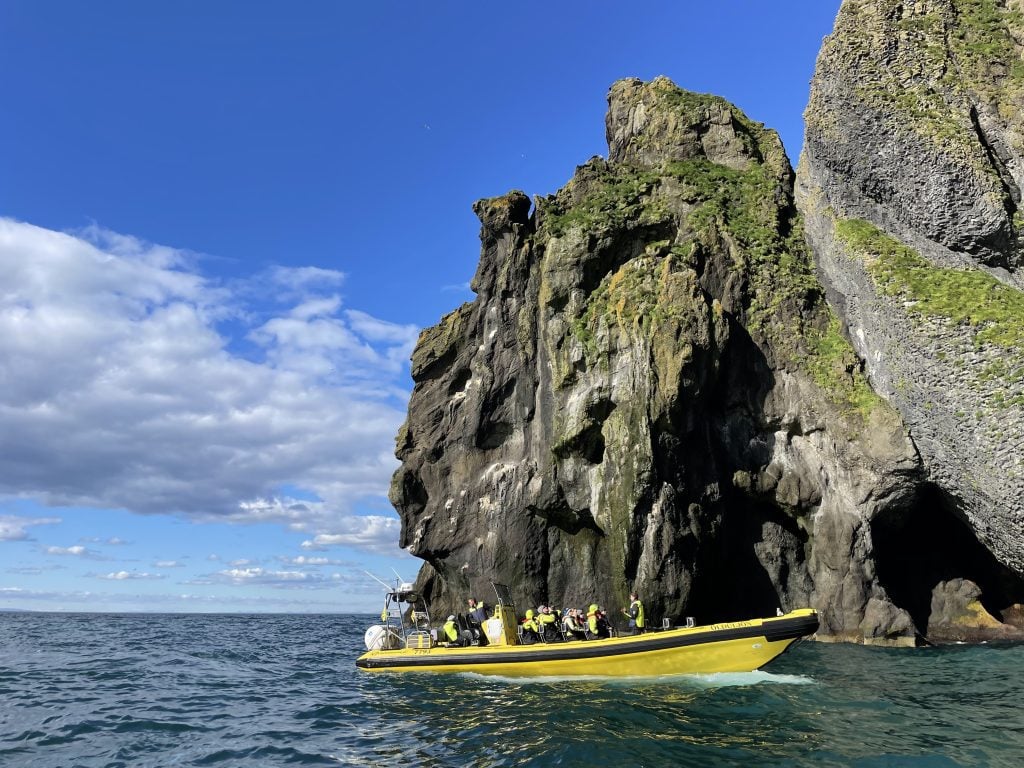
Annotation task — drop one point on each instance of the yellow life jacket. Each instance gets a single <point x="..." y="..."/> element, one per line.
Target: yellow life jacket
<point x="546" y="618"/>
<point x="592" y="622"/>
<point x="639" y="613"/>
<point x="531" y="625"/>
<point x="450" y="631"/>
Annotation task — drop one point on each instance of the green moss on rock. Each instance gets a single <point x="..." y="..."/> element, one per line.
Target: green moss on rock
<point x="965" y="296"/>
<point x="611" y="198"/>
<point x="835" y="367"/>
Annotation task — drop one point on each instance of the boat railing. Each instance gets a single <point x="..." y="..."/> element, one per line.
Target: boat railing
<point x="418" y="640"/>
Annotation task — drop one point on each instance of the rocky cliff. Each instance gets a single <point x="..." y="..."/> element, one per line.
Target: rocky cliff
<point x="910" y="189"/>
<point x="671" y="380"/>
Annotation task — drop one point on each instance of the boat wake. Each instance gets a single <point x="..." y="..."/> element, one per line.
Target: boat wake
<point x="715" y="680"/>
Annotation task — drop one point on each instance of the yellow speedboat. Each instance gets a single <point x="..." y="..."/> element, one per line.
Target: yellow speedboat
<point x="739" y="646"/>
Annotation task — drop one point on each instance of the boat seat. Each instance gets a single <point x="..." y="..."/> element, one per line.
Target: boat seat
<point x="552" y="635"/>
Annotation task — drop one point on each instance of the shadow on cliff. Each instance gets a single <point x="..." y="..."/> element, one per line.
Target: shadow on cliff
<point x="754" y="562"/>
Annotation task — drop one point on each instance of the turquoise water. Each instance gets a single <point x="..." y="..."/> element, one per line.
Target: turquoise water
<point x="131" y="690"/>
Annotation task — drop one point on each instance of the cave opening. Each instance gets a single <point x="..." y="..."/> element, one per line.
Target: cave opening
<point x="758" y="565"/>
<point x="927" y="542"/>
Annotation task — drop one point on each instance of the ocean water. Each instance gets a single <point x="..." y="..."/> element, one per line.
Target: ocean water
<point x="197" y="690"/>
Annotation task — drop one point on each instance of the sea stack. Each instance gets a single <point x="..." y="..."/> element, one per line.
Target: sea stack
<point x="660" y="385"/>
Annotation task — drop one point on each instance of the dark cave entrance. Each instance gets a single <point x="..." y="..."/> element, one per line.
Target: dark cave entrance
<point x="929" y="542"/>
<point x="757" y="566"/>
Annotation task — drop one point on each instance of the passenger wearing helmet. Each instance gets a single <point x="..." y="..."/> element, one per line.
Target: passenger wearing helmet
<point x="572" y="625"/>
<point x="547" y="621"/>
<point x="597" y="625"/>
<point x="531" y="629"/>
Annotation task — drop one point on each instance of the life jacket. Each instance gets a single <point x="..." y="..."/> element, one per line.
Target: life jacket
<point x="639" y="617"/>
<point x="479" y="613"/>
<point x="546" y="618"/>
<point x="530" y="625"/>
<point x="450" y="631"/>
<point x="592" y="622"/>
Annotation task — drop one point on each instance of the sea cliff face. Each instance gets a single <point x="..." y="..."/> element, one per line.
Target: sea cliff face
<point x="909" y="187"/>
<point x="656" y="389"/>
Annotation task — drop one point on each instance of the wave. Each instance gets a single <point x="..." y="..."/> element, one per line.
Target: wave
<point x="715" y="680"/>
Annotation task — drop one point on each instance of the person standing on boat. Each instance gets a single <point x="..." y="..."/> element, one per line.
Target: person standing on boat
<point x="477" y="610"/>
<point x="635" y="612"/>
<point x="477" y="616"/>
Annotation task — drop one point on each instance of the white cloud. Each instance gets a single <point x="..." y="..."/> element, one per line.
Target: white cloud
<point x="380" y="330"/>
<point x="269" y="578"/>
<point x="308" y="560"/>
<point x="113" y="541"/>
<point x="129" y="575"/>
<point x="77" y="550"/>
<point x="125" y="391"/>
<point x="301" y="280"/>
<point x="372" y="532"/>
<point x="168" y="564"/>
<point x="15" y="528"/>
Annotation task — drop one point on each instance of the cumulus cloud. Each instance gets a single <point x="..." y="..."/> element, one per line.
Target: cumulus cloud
<point x="126" y="390"/>
<point x="77" y="550"/>
<point x="15" y="527"/>
<point x="372" y="532"/>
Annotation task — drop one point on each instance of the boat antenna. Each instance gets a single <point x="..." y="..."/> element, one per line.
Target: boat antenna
<point x="398" y="576"/>
<point x="383" y="583"/>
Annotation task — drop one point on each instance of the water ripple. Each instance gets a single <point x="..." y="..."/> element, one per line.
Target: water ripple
<point x="232" y="691"/>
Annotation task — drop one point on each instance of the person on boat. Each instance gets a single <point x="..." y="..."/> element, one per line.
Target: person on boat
<point x="572" y="624"/>
<point x="477" y="610"/>
<point x="531" y="629"/>
<point x="637" y="624"/>
<point x="476" y="618"/>
<point x="451" y="633"/>
<point x="597" y="625"/>
<point x="547" y="624"/>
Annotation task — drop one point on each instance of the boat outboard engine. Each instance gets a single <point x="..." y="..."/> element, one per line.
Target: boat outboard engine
<point x="380" y="638"/>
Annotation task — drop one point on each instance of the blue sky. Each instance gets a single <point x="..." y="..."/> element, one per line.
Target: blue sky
<point x="222" y="226"/>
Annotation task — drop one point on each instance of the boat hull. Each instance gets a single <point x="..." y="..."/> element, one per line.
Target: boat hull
<point x="740" y="646"/>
